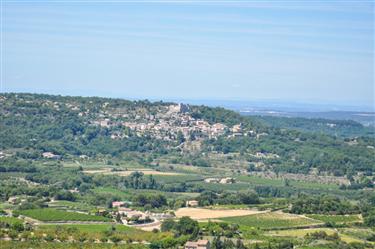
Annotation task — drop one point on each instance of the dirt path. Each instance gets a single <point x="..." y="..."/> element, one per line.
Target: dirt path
<point x="149" y="226"/>
<point x="39" y="223"/>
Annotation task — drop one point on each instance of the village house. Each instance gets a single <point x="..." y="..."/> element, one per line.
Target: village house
<point x="236" y="134"/>
<point x="104" y="123"/>
<point x="118" y="204"/>
<point x="13" y="200"/>
<point x="266" y="155"/>
<point x="84" y="157"/>
<point x="133" y="217"/>
<point x="2" y="155"/>
<point x="227" y="180"/>
<point x="75" y="190"/>
<point x="261" y="135"/>
<point x="211" y="180"/>
<point x="192" y="203"/>
<point x="200" y="244"/>
<point x="237" y="128"/>
<point x="50" y="155"/>
<point x="130" y="213"/>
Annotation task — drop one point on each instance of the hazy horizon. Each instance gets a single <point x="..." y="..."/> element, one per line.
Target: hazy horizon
<point x="234" y="104"/>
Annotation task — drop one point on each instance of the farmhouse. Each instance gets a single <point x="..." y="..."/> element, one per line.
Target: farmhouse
<point x="84" y="157"/>
<point x="130" y="213"/>
<point x="227" y="180"/>
<point x="237" y="128"/>
<point x="105" y="123"/>
<point x="192" y="203"/>
<point x="13" y="200"/>
<point x="212" y="180"/>
<point x="200" y="244"/>
<point x="118" y="204"/>
<point x="75" y="190"/>
<point x="50" y="155"/>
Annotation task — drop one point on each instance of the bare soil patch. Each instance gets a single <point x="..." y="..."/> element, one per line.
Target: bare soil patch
<point x="204" y="213"/>
<point x="108" y="171"/>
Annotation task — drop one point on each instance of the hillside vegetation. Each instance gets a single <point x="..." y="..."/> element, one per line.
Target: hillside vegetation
<point x="71" y="127"/>
<point x="88" y="172"/>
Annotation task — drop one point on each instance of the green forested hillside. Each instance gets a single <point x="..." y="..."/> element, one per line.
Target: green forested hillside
<point x="32" y="124"/>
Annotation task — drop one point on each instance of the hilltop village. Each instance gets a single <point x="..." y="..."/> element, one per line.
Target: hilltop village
<point x="170" y="123"/>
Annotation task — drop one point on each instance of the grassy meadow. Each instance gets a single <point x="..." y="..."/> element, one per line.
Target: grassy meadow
<point x="50" y="214"/>
<point x="272" y="220"/>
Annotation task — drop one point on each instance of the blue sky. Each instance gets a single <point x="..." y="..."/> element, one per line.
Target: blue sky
<point x="315" y="52"/>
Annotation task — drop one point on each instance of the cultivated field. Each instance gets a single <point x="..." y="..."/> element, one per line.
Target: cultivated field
<point x="69" y="205"/>
<point x="303" y="232"/>
<point x="64" y="245"/>
<point x="204" y="213"/>
<point x="277" y="182"/>
<point x="95" y="231"/>
<point x="336" y="218"/>
<point x="271" y="220"/>
<point x="50" y="214"/>
<point x="108" y="171"/>
<point x="300" y="232"/>
<point x="129" y="193"/>
<point x="179" y="178"/>
<point x="89" y="227"/>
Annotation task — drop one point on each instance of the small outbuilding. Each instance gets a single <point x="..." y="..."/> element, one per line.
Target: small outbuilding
<point x="200" y="244"/>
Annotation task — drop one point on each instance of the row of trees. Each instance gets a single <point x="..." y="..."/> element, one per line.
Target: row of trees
<point x="322" y="205"/>
<point x="242" y="197"/>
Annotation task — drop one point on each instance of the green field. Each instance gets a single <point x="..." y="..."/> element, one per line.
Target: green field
<point x="335" y="218"/>
<point x="90" y="228"/>
<point x="100" y="165"/>
<point x="300" y="232"/>
<point x="59" y="245"/>
<point x="222" y="187"/>
<point x="357" y="232"/>
<point x="260" y="181"/>
<point x="5" y="205"/>
<point x="125" y="195"/>
<point x="130" y="193"/>
<point x="178" y="178"/>
<point x="229" y="206"/>
<point x="271" y="220"/>
<point x="50" y="214"/>
<point x="316" y="247"/>
<point x="96" y="231"/>
<point x="71" y="205"/>
<point x="10" y="220"/>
